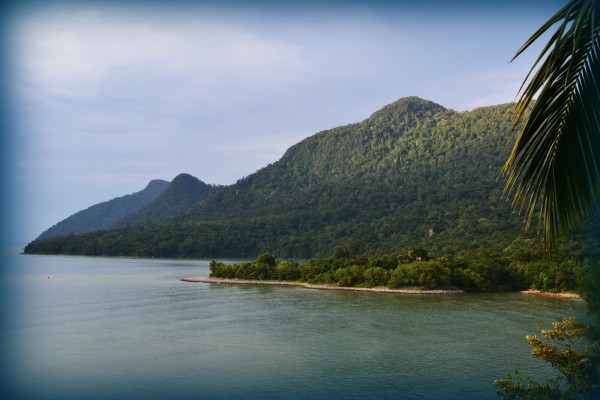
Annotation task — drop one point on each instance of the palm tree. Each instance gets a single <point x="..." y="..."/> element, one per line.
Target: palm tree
<point x="554" y="167"/>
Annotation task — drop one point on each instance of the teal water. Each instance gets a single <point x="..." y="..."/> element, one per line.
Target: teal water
<point x="100" y="328"/>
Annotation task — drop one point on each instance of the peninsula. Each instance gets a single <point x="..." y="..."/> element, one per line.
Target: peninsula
<point x="378" y="289"/>
<point x="411" y="272"/>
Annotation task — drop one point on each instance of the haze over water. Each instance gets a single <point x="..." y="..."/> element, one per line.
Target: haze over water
<point x="77" y="327"/>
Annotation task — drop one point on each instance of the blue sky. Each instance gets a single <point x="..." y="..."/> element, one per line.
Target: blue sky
<point x="102" y="97"/>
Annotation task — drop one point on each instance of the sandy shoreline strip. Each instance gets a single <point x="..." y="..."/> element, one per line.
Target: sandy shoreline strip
<point x="319" y="287"/>
<point x="549" y="294"/>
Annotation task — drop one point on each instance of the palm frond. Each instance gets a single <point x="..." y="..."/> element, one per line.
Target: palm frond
<point x="554" y="167"/>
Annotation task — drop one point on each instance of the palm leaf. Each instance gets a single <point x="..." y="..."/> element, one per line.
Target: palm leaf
<point x="554" y="168"/>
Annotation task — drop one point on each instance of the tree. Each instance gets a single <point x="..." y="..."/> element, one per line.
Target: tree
<point x="417" y="253"/>
<point x="348" y="248"/>
<point x="554" y="166"/>
<point x="267" y="259"/>
<point x="563" y="348"/>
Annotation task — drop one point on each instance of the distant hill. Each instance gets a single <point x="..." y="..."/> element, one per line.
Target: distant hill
<point x="413" y="174"/>
<point x="106" y="214"/>
<point x="184" y="192"/>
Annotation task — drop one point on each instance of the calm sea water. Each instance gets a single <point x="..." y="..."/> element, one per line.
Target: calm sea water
<point x="100" y="328"/>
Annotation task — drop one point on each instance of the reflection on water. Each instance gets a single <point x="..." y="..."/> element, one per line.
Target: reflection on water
<point x="124" y="328"/>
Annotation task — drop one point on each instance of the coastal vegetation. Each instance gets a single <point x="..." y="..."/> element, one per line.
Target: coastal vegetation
<point x="481" y="271"/>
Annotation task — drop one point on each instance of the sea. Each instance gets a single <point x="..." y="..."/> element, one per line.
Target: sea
<point x="119" y="328"/>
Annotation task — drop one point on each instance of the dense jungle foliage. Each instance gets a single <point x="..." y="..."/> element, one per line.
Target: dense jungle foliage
<point x="481" y="271"/>
<point x="413" y="174"/>
<point x="184" y="192"/>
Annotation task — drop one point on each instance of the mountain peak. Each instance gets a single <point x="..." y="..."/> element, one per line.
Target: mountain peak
<point x="184" y="191"/>
<point x="184" y="178"/>
<point x="414" y="102"/>
<point x="406" y="109"/>
<point x="157" y="183"/>
<point x="106" y="214"/>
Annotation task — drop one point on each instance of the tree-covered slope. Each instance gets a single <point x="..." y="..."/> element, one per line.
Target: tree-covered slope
<point x="106" y="214"/>
<point x="412" y="174"/>
<point x="184" y="192"/>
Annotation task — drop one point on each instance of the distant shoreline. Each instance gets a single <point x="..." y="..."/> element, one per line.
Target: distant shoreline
<point x="379" y="289"/>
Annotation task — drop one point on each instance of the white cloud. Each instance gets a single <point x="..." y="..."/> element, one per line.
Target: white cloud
<point x="79" y="59"/>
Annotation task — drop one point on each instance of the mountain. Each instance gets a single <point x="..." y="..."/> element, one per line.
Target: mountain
<point x="106" y="214"/>
<point x="184" y="192"/>
<point x="412" y="174"/>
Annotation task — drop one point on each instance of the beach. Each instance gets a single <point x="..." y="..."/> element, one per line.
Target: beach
<point x="379" y="289"/>
<point x="574" y="296"/>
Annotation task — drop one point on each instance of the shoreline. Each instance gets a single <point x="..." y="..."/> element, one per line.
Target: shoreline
<point x="573" y="296"/>
<point x="378" y="289"/>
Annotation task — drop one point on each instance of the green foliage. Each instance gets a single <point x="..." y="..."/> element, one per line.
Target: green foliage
<point x="417" y="254"/>
<point x="265" y="267"/>
<point x="425" y="275"/>
<point x="375" y="276"/>
<point x="519" y="387"/>
<point x="554" y="166"/>
<point x="481" y="271"/>
<point x="266" y="259"/>
<point x="572" y="349"/>
<point x="184" y="192"/>
<point x="348" y="248"/>
<point x="588" y="279"/>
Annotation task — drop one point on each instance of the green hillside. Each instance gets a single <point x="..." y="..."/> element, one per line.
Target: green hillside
<point x="184" y="192"/>
<point x="413" y="174"/>
<point x="106" y="214"/>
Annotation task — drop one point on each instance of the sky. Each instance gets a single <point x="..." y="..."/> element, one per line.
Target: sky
<point x="100" y="97"/>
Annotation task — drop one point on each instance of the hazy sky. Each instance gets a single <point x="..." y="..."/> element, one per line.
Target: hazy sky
<point x="102" y="97"/>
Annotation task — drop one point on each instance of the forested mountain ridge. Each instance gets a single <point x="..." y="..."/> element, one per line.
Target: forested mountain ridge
<point x="106" y="214"/>
<point x="184" y="192"/>
<point x="412" y="174"/>
<point x="381" y="149"/>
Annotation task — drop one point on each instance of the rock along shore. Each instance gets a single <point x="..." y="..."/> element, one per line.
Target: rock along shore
<point x="319" y="287"/>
